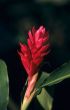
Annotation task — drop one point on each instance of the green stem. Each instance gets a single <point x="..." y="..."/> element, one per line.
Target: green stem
<point x="30" y="92"/>
<point x="27" y="101"/>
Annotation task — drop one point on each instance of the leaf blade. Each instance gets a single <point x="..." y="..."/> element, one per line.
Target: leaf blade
<point x="58" y="75"/>
<point x="45" y="99"/>
<point x="4" y="86"/>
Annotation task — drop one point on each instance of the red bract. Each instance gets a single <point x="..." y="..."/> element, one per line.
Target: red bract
<point x="33" y="54"/>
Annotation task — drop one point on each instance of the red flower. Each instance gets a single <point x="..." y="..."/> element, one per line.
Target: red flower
<point x="33" y="54"/>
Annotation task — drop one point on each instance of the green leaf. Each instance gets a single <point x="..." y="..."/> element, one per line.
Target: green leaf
<point x="40" y="82"/>
<point x="4" y="86"/>
<point x="45" y="99"/>
<point x="41" y="79"/>
<point x="58" y="75"/>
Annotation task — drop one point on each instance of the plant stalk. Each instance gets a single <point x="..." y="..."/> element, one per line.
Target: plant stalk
<point x="30" y="92"/>
<point x="27" y="101"/>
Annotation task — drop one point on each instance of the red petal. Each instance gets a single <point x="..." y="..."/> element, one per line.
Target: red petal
<point x="30" y="36"/>
<point x="38" y="61"/>
<point x="25" y="63"/>
<point x="44" y="48"/>
<point x="24" y="48"/>
<point x="39" y="43"/>
<point x="19" y="53"/>
<point x="34" y="50"/>
<point x="32" y="68"/>
<point x="29" y="43"/>
<point x="45" y="39"/>
<point x="40" y="28"/>
<point x="46" y="53"/>
<point x="39" y="33"/>
<point x="33" y="31"/>
<point x="40" y="51"/>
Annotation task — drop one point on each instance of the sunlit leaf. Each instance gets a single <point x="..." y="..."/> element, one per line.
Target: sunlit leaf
<point x="45" y="100"/>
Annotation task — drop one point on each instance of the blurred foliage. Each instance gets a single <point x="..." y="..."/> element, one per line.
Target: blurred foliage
<point x="4" y="86"/>
<point x="57" y="2"/>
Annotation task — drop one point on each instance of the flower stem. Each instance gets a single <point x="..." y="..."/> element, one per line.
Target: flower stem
<point x="30" y="92"/>
<point x="27" y="101"/>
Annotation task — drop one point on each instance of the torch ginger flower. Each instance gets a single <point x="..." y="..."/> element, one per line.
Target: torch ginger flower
<point x="33" y="54"/>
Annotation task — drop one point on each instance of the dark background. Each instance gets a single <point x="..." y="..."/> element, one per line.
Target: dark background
<point x="16" y="18"/>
